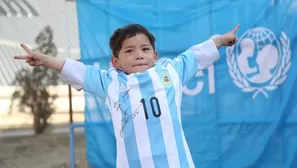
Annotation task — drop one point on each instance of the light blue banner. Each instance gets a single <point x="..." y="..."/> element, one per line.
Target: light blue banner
<point x="240" y="112"/>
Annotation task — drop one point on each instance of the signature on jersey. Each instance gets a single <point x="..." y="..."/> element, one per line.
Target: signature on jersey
<point x="120" y="105"/>
<point x="126" y="118"/>
<point x="123" y="99"/>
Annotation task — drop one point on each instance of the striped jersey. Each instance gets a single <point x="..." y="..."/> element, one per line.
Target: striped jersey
<point x="145" y="107"/>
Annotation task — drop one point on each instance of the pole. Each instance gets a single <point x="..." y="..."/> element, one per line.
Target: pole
<point x="70" y="105"/>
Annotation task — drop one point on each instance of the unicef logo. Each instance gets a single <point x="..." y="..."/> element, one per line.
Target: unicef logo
<point x="259" y="62"/>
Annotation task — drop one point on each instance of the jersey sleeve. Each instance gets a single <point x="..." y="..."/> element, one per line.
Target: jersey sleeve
<point x="89" y="78"/>
<point x="196" y="58"/>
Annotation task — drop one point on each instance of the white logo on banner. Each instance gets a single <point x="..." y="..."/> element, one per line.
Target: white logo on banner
<point x="200" y="84"/>
<point x="259" y="62"/>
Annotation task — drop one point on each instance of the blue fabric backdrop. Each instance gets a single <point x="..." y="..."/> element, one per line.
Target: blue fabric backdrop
<point x="240" y="112"/>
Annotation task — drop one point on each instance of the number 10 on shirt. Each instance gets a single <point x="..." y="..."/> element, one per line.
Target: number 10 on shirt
<point x="155" y="106"/>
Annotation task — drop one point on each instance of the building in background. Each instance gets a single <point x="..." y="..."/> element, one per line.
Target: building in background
<point x="20" y="22"/>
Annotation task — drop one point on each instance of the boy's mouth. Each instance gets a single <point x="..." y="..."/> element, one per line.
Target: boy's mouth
<point x="139" y="65"/>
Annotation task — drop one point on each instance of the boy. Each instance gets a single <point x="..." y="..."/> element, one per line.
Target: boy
<point x="143" y="97"/>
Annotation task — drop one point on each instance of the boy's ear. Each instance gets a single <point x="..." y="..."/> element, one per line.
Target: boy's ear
<point x="156" y="55"/>
<point x="115" y="62"/>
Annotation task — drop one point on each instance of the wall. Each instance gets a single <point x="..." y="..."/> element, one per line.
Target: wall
<point x="19" y="118"/>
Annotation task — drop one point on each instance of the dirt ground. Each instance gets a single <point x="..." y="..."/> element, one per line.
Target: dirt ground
<point x="44" y="151"/>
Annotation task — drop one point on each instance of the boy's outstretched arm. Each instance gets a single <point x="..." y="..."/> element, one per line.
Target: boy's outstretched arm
<point x="201" y="56"/>
<point x="75" y="73"/>
<point x="71" y="71"/>
<point x="38" y="59"/>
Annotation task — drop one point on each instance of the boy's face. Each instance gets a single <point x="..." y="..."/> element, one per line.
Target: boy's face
<point x="136" y="55"/>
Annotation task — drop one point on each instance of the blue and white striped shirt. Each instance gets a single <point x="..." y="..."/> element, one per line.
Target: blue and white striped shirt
<point x="145" y="107"/>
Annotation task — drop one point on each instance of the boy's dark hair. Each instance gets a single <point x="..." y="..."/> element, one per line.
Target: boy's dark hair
<point x="128" y="31"/>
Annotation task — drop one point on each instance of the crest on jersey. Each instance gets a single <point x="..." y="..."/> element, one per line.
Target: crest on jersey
<point x="166" y="79"/>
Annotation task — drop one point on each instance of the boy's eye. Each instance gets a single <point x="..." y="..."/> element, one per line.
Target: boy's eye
<point x="146" y="49"/>
<point x="129" y="51"/>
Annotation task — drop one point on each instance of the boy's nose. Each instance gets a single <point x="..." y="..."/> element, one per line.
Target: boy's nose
<point x="139" y="56"/>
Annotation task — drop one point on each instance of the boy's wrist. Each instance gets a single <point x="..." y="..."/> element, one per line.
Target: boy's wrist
<point x="218" y="41"/>
<point x="45" y="59"/>
<point x="52" y="62"/>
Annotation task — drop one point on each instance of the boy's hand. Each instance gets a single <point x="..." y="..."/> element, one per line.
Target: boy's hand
<point x="227" y="39"/>
<point x="32" y="58"/>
